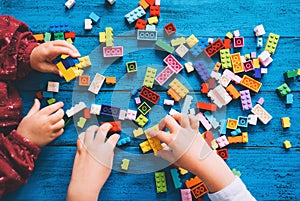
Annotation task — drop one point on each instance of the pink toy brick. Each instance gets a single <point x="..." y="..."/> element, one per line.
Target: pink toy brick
<point x="264" y="56"/>
<point x="253" y="55"/>
<point x="131" y="114"/>
<point x="248" y="66"/>
<point x="246" y="100"/>
<point x="238" y="42"/>
<point x="264" y="70"/>
<point x="162" y="77"/>
<point x="259" y="30"/>
<point x="116" y="51"/>
<point x="186" y="195"/>
<point x="267" y="62"/>
<point x="222" y="141"/>
<point x="204" y="121"/>
<point x="232" y="76"/>
<point x="137" y="100"/>
<point x="261" y="101"/>
<point x="236" y="33"/>
<point x="168" y="102"/>
<point x="171" y="61"/>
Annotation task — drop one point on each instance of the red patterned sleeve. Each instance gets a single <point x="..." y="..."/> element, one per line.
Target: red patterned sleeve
<point x="16" y="45"/>
<point x="17" y="156"/>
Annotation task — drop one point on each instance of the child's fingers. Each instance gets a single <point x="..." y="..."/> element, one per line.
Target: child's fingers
<point x="102" y="132"/>
<point x="59" y="125"/>
<point x="62" y="43"/>
<point x="161" y="135"/>
<point x="52" y="108"/>
<point x="89" y="134"/>
<point x="57" y="116"/>
<point x="170" y="123"/>
<point x="113" y="140"/>
<point x="183" y="119"/>
<point x="167" y="155"/>
<point x="35" y="108"/>
<point x="194" y="122"/>
<point x="80" y="141"/>
<point x="59" y="132"/>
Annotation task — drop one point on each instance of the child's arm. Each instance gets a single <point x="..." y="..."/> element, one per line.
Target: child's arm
<point x="187" y="149"/>
<point x="92" y="163"/>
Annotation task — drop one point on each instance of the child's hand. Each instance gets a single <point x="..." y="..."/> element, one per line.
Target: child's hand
<point x="42" y="56"/>
<point x="42" y="126"/>
<point x="92" y="163"/>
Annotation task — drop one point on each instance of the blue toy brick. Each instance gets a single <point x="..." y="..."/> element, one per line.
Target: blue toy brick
<point x="59" y="28"/>
<point x="47" y="94"/>
<point x="176" y="179"/>
<point x="123" y="141"/>
<point x="135" y="14"/>
<point x="94" y="17"/>
<point x="196" y="50"/>
<point x="289" y="99"/>
<point x="110" y="111"/>
<point x="66" y="63"/>
<point x="147" y="35"/>
<point x="202" y="70"/>
<point x="223" y="124"/>
<point x="69" y="61"/>
<point x="236" y="132"/>
<point x="134" y="91"/>
<point x="57" y="60"/>
<point x="257" y="73"/>
<point x="242" y="121"/>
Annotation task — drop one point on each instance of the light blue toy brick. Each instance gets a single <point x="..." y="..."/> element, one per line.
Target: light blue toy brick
<point x="135" y="14"/>
<point x="223" y="125"/>
<point x="289" y="99"/>
<point x="176" y="179"/>
<point x="47" y="37"/>
<point x="242" y="121"/>
<point x="198" y="48"/>
<point x="147" y="35"/>
<point x="259" y="42"/>
<point x="213" y="121"/>
<point x="123" y="141"/>
<point x="236" y="132"/>
<point x="94" y="17"/>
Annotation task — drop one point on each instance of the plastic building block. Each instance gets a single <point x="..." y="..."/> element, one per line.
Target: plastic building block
<point x="192" y="111"/>
<point x="111" y="2"/>
<point x="38" y="94"/>
<point x="223" y="153"/>
<point x="81" y="122"/>
<point x="181" y="50"/>
<point x="225" y="58"/>
<point x="47" y="37"/>
<point x="238" y="139"/>
<point x="261" y="113"/>
<point x="102" y="37"/>
<point x="272" y="43"/>
<point x="189" y="67"/>
<point x="88" y="24"/>
<point x="236" y="132"/>
<point x="291" y="74"/>
<point x="206" y="106"/>
<point x="236" y="33"/>
<point x="204" y="121"/>
<point x="153" y="20"/>
<point x="95" y="109"/>
<point x="267" y="62"/>
<point x="138" y="132"/>
<point x="96" y="83"/>
<point x="84" y="80"/>
<point x="68" y="74"/>
<point x="172" y="112"/>
<point x="144" y="4"/>
<point x="233" y="77"/>
<point x="208" y="137"/>
<point x="141" y="120"/>
<point x="219" y="96"/>
<point x="53" y="86"/>
<point x="144" y="108"/>
<point x="238" y="42"/>
<point x="252" y="119"/>
<point x="237" y="64"/>
<point x="146" y="35"/>
<point x="246" y="100"/>
<point x="70" y="35"/>
<point x="154" y="11"/>
<point x="157" y="2"/>
<point x="285" y="122"/>
<point x="260" y="101"/>
<point x="162" y="77"/>
<point x="110" y="80"/>
<point x="197" y="49"/>
<point x="259" y="42"/>
<point x="223" y="125"/>
<point x="122" y="115"/>
<point x="51" y="101"/>
<point x="116" y="126"/>
<point x="151" y="27"/>
<point x="264" y="56"/>
<point x="202" y="70"/>
<point x="177" y="90"/>
<point x="186" y="195"/>
<point x="232" y="123"/>
<point x="150" y="2"/>
<point x="123" y="141"/>
<point x="186" y="104"/>
<point x="166" y="47"/>
<point x="283" y="89"/>
<point x="234" y="93"/>
<point x="76" y="109"/>
<point x="193" y="182"/>
<point x="214" y="48"/>
<point x="149" y="95"/>
<point x="287" y="144"/>
<point x="199" y="190"/>
<point x="140" y="24"/>
<point x="248" y="66"/>
<point x="259" y="30"/>
<point x="160" y="180"/>
<point x="59" y="28"/>
<point x="191" y="41"/>
<point x="125" y="164"/>
<point x="242" y="121"/>
<point x="171" y="61"/>
<point x="170" y="28"/>
<point x="289" y="99"/>
<point x="154" y="143"/>
<point x="222" y="141"/>
<point x="39" y="37"/>
<point x="176" y="179"/>
<point x="110" y="111"/>
<point x="137" y="100"/>
<point x="87" y="113"/>
<point x="168" y="102"/>
<point x="213" y="121"/>
<point x="229" y="35"/>
<point x="116" y="51"/>
<point x="236" y="173"/>
<point x="227" y="43"/>
<point x="178" y="41"/>
<point x="131" y="67"/>
<point x="145" y="146"/>
<point x="182" y="171"/>
<point x="94" y="17"/>
<point x="131" y="114"/>
<point x="109" y="37"/>
<point x="224" y="80"/>
<point x="135" y="14"/>
<point x="70" y="3"/>
<point x="256" y="63"/>
<point x="204" y="88"/>
<point x="250" y="83"/>
<point x="149" y="77"/>
<point x="257" y="73"/>
<point x="217" y="67"/>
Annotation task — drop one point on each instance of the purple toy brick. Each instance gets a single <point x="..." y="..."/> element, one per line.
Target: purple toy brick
<point x="202" y="70"/>
<point x="261" y="101"/>
<point x="253" y="55"/>
<point x="110" y="111"/>
<point x="171" y="61"/>
<point x="137" y="100"/>
<point x="257" y="73"/>
<point x="248" y="66"/>
<point x="238" y="42"/>
<point x="246" y="100"/>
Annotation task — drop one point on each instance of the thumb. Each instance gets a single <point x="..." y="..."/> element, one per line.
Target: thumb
<point x="35" y="108"/>
<point x="160" y="135"/>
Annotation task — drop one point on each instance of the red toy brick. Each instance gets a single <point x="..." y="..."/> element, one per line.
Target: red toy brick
<point x="206" y="106"/>
<point x="116" y="126"/>
<point x="70" y="35"/>
<point x="170" y="28"/>
<point x="214" y="48"/>
<point x="150" y="2"/>
<point x="208" y="137"/>
<point x="227" y="43"/>
<point x="238" y="42"/>
<point x="87" y="113"/>
<point x="149" y="95"/>
<point x="154" y="11"/>
<point x="39" y="95"/>
<point x="223" y="153"/>
<point x="140" y="24"/>
<point x="199" y="190"/>
<point x="204" y="88"/>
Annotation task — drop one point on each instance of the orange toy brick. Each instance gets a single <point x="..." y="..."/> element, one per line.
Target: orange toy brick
<point x="116" y="126"/>
<point x="84" y="80"/>
<point x="208" y="137"/>
<point x="234" y="93"/>
<point x="237" y="64"/>
<point x="199" y="190"/>
<point x="70" y="35"/>
<point x="144" y="4"/>
<point x="110" y="80"/>
<point x="223" y="153"/>
<point x="87" y="113"/>
<point x="204" y="88"/>
<point x="193" y="182"/>
<point x="227" y="43"/>
<point x="39" y="37"/>
<point x="250" y="83"/>
<point x="238" y="139"/>
<point x="140" y="24"/>
<point x="154" y="11"/>
<point x="217" y="67"/>
<point x="214" y="48"/>
<point x="206" y="106"/>
<point x="232" y="123"/>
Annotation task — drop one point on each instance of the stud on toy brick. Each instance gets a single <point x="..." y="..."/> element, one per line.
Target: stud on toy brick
<point x="155" y="10"/>
<point x="171" y="61"/>
<point x="199" y="190"/>
<point x="189" y="67"/>
<point x="146" y="35"/>
<point x="261" y="113"/>
<point x="135" y="14"/>
<point x="125" y="164"/>
<point x="191" y="41"/>
<point x="242" y="121"/>
<point x="246" y="100"/>
<point x="285" y="122"/>
<point x="181" y="50"/>
<point x="214" y="48"/>
<point x="116" y="51"/>
<point x="287" y="144"/>
<point x="140" y="24"/>
<point x="141" y="120"/>
<point x="248" y="66"/>
<point x="131" y="67"/>
<point x="238" y="42"/>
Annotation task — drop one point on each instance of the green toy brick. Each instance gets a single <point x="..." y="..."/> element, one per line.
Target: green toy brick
<point x="149" y="77"/>
<point x="272" y="43"/>
<point x="144" y="108"/>
<point x="236" y="172"/>
<point x="283" y="89"/>
<point x="225" y="58"/>
<point x="247" y="56"/>
<point x="160" y="180"/>
<point x="47" y="37"/>
<point x="59" y="36"/>
<point x="51" y="101"/>
<point x="229" y="35"/>
<point x="131" y="67"/>
<point x="165" y="46"/>
<point x="81" y="122"/>
<point x="291" y="73"/>
<point x="141" y="120"/>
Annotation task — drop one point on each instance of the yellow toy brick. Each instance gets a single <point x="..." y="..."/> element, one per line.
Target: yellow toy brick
<point x="285" y="122"/>
<point x="182" y="171"/>
<point x="232" y="124"/>
<point x="250" y="83"/>
<point x="81" y="122"/>
<point x="244" y="137"/>
<point x="39" y="37"/>
<point x="287" y="144"/>
<point x="237" y="64"/>
<point x="109" y="37"/>
<point x="68" y="74"/>
<point x="189" y="67"/>
<point x="110" y="80"/>
<point x="217" y="67"/>
<point x="191" y="41"/>
<point x="145" y="146"/>
<point x="153" y="20"/>
<point x="177" y="90"/>
<point x="144" y="4"/>
<point x="85" y="62"/>
<point x="64" y="56"/>
<point x="69" y="40"/>
<point x="138" y="132"/>
<point x="154" y="142"/>
<point x="256" y="63"/>
<point x="178" y="41"/>
<point x="125" y="164"/>
<point x="102" y="37"/>
<point x="298" y="73"/>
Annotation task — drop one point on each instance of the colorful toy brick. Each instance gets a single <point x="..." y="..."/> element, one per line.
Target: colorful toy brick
<point x="285" y="122"/>
<point x="110" y="111"/>
<point x="227" y="43"/>
<point x="196" y="49"/>
<point x="260" y="101"/>
<point x="232" y="123"/>
<point x="131" y="114"/>
<point x="213" y="121"/>
<point x="95" y="109"/>
<point x="248" y="66"/>
<point x="237" y="64"/>
<point x="47" y="37"/>
<point x="178" y="41"/>
<point x="170" y="28"/>
<point x="171" y="61"/>
<point x="206" y="106"/>
<point x="204" y="121"/>
<point x="186" y="195"/>
<point x="154" y="11"/>
<point x="111" y="80"/>
<point x="214" y="48"/>
<point x="261" y="113"/>
<point x="109" y="37"/>
<point x="224" y="80"/>
<point x="204" y="88"/>
<point x="68" y="74"/>
<point x="237" y="79"/>
<point x="144" y="108"/>
<point x="137" y="100"/>
<point x="257" y="73"/>
<point x="166" y="47"/>
<point x="162" y="77"/>
<point x="116" y="51"/>
<point x="153" y="20"/>
<point x="177" y="91"/>
<point x="138" y="132"/>
<point x="141" y="120"/>
<point x="186" y="104"/>
<point x="81" y="122"/>
<point x="250" y="83"/>
<point x="289" y="99"/>
<point x="51" y="101"/>
<point x="140" y="24"/>
<point x="193" y="182"/>
<point x="246" y="100"/>
<point x="252" y="119"/>
<point x="283" y="89"/>
<point x="122" y="115"/>
<point x="242" y="121"/>
<point x="199" y="190"/>
<point x="181" y="50"/>
<point x="208" y="137"/>
<point x="146" y="35"/>
<point x="223" y="153"/>
<point x="154" y="143"/>
<point x="259" y="30"/>
<point x="88" y="24"/>
<point x="135" y="14"/>
<point x="182" y="171"/>
<point x="70" y="3"/>
<point x="219" y="96"/>
<point x="123" y="141"/>
<point x="229" y="35"/>
<point x="222" y="141"/>
<point x="151" y="2"/>
<point x="272" y="43"/>
<point x="87" y="113"/>
<point x="53" y="86"/>
<point x="202" y="70"/>
<point x="149" y="77"/>
<point x="291" y="74"/>
<point x="238" y="139"/>
<point x="149" y="95"/>
<point x="39" y="37"/>
<point x="234" y="93"/>
<point x="131" y="67"/>
<point x="168" y="102"/>
<point x="116" y="126"/>
<point x="238" y="42"/>
<point x="70" y="35"/>
<point x="160" y="180"/>
<point x="145" y="146"/>
<point x="287" y="144"/>
<point x="157" y="2"/>
<point x="259" y="42"/>
<point x="172" y="112"/>
<point x="189" y="67"/>
<point x="144" y="4"/>
<point x="236" y="132"/>
<point x="225" y="58"/>
<point x="59" y="28"/>
<point x="125" y="164"/>
<point x="236" y="173"/>
<point x="236" y="33"/>
<point x="223" y="125"/>
<point x="217" y="67"/>
<point x="75" y="109"/>
<point x="191" y="41"/>
<point x="96" y="83"/>
<point x="102" y="37"/>
<point x="94" y="17"/>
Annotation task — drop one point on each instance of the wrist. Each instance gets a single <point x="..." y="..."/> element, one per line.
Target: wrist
<point x="78" y="191"/>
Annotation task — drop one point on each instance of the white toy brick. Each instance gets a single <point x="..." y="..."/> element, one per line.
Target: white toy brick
<point x="219" y="96"/>
<point x="261" y="113"/>
<point x="264" y="56"/>
<point x="88" y="24"/>
<point x="70" y="3"/>
<point x="192" y="111"/>
<point x="259" y="30"/>
<point x="75" y="109"/>
<point x="122" y="115"/>
<point x="210" y="40"/>
<point x="203" y="121"/>
<point x="53" y="86"/>
<point x="252" y="119"/>
<point x="97" y="83"/>
<point x="168" y="102"/>
<point x="111" y="2"/>
<point x="186" y="104"/>
<point x="222" y="141"/>
<point x="157" y="2"/>
<point x="151" y="27"/>
<point x="224" y="80"/>
<point x="189" y="67"/>
<point x="131" y="114"/>
<point x="172" y="112"/>
<point x="95" y="109"/>
<point x="215" y="75"/>
<point x="267" y="62"/>
<point x="236" y="33"/>
<point x="181" y="50"/>
<point x="232" y="76"/>
<point x="264" y="70"/>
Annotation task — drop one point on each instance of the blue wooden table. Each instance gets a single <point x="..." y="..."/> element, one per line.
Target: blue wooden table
<point x="269" y="171"/>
